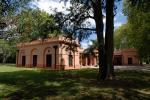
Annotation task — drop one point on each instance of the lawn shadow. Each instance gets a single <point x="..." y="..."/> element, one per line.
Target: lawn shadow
<point x="73" y="84"/>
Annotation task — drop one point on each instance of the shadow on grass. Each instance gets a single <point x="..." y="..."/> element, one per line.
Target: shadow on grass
<point x="74" y="84"/>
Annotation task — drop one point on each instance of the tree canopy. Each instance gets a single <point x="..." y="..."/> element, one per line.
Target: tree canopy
<point x="33" y="24"/>
<point x="136" y="32"/>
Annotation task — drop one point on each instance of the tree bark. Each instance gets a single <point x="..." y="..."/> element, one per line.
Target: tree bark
<point x="98" y="17"/>
<point x="109" y="45"/>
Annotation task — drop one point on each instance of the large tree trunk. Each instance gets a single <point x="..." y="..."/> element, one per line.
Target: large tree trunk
<point x="98" y="16"/>
<point x="109" y="48"/>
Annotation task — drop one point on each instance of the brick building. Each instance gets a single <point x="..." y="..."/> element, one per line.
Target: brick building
<point x="53" y="53"/>
<point x="49" y="53"/>
<point x="126" y="57"/>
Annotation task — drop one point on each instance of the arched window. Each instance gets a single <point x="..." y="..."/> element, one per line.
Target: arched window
<point x="70" y="60"/>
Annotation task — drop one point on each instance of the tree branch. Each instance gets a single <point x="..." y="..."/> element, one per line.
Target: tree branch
<point x="90" y="29"/>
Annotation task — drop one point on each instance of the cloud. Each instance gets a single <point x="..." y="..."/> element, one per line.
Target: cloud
<point x="120" y="14"/>
<point x="115" y="19"/>
<point x="118" y="24"/>
<point x="84" y="45"/>
<point x="47" y="5"/>
<point x="90" y="43"/>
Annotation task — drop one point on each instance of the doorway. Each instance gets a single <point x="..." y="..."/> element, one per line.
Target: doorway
<point x="118" y="60"/>
<point x="23" y="60"/>
<point x="89" y="61"/>
<point x="34" y="60"/>
<point x="48" y="60"/>
<point x="130" y="61"/>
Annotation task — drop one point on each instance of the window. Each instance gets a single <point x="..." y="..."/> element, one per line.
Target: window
<point x="23" y="60"/>
<point x="34" y="60"/>
<point x="129" y="61"/>
<point x="89" y="60"/>
<point x="48" y="60"/>
<point x="70" y="60"/>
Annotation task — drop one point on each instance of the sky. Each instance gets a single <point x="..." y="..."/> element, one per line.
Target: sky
<point x="48" y="5"/>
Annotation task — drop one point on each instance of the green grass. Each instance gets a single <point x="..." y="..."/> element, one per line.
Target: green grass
<point x="28" y="83"/>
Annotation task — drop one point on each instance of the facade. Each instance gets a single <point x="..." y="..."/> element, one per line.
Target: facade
<point x="50" y="53"/>
<point x="121" y="57"/>
<point x="88" y="59"/>
<point x="55" y="54"/>
<point x="126" y="57"/>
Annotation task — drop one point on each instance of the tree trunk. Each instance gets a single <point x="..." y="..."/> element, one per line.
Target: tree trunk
<point x="99" y="30"/>
<point x="109" y="48"/>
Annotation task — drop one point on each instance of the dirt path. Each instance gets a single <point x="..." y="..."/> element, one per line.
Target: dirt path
<point x="142" y="68"/>
<point x="138" y="68"/>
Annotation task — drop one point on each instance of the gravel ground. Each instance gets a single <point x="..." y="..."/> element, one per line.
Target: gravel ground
<point x="139" y="68"/>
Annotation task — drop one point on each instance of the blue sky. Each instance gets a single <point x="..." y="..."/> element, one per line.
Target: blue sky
<point x="47" y="5"/>
<point x="119" y="20"/>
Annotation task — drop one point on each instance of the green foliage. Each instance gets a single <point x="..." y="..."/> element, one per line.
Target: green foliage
<point x="8" y="51"/>
<point x="26" y="24"/>
<point x="11" y="7"/>
<point x="33" y="24"/>
<point x="76" y="22"/>
<point x="121" y="37"/>
<point x="20" y="23"/>
<point x="8" y="37"/>
<point x="136" y="32"/>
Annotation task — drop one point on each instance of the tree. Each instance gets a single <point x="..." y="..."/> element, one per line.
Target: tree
<point x="30" y="24"/>
<point x="8" y="51"/>
<point x="109" y="45"/>
<point x="135" y="33"/>
<point x="123" y="37"/>
<point x="138" y="14"/>
<point x="75" y="20"/>
<point x="33" y="24"/>
<point x="10" y="7"/>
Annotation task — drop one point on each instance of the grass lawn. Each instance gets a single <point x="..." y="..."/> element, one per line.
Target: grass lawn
<point x="28" y="83"/>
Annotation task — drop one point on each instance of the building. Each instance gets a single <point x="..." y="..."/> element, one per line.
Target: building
<point x="87" y="59"/>
<point x="121" y="57"/>
<point x="126" y="57"/>
<point x="57" y="54"/>
<point x="52" y="53"/>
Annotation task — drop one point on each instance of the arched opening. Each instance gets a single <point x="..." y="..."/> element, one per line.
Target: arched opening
<point x="34" y="60"/>
<point x="34" y="57"/>
<point x="48" y="60"/>
<point x="23" y="60"/>
<point x="117" y="60"/>
<point x="70" y="59"/>
<point x="47" y="57"/>
<point x="130" y="61"/>
<point x="62" y="63"/>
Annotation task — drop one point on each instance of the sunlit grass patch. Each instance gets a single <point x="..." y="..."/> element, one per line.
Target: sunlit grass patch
<point x="21" y="83"/>
<point x="12" y="67"/>
<point x="7" y="89"/>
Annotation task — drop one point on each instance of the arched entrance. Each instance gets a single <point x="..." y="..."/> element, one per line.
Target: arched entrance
<point x="48" y="60"/>
<point x="48" y="57"/>
<point x="34" y="57"/>
<point x="23" y="57"/>
<point x="118" y="60"/>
